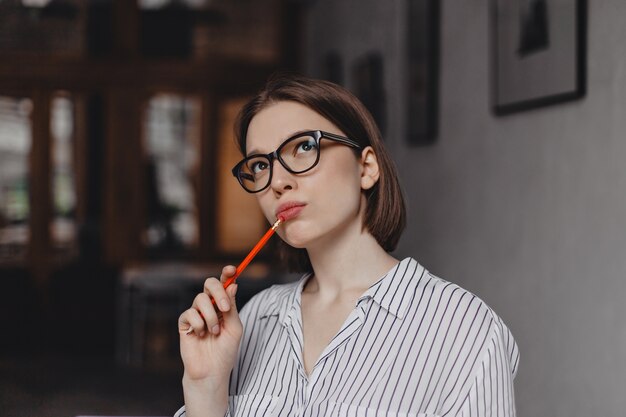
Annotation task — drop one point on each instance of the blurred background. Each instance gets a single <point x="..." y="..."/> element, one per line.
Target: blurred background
<point x="505" y="118"/>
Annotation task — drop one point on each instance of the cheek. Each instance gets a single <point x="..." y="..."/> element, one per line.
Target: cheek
<point x="345" y="174"/>
<point x="338" y="164"/>
<point x="346" y="198"/>
<point x="265" y="204"/>
<point x="343" y="188"/>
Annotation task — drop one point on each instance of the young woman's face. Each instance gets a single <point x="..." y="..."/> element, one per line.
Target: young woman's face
<point x="329" y="197"/>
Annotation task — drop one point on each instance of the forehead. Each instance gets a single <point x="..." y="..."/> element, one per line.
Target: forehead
<point x="278" y="121"/>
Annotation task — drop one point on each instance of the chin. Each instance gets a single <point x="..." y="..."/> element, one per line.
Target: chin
<point x="296" y="236"/>
<point x="295" y="243"/>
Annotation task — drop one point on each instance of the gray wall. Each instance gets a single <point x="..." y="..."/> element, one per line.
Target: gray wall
<point x="528" y="211"/>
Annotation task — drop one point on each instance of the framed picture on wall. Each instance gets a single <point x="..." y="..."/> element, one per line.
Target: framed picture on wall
<point x="538" y="53"/>
<point x="423" y="71"/>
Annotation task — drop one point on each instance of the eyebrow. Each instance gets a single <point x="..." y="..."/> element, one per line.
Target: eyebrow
<point x="258" y="152"/>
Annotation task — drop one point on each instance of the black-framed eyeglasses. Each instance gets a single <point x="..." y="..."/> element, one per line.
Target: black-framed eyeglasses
<point x="298" y="154"/>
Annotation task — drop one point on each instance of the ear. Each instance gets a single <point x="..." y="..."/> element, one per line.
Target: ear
<point x="370" y="171"/>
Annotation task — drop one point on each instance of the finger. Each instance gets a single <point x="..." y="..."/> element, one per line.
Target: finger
<point x="227" y="272"/>
<point x="191" y="321"/>
<point x="215" y="289"/>
<point x="232" y="295"/>
<point x="203" y="304"/>
<point x="231" y="317"/>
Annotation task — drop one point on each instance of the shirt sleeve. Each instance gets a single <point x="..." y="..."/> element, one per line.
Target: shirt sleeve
<point x="491" y="393"/>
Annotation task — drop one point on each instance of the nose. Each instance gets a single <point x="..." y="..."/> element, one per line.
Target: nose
<point x="282" y="180"/>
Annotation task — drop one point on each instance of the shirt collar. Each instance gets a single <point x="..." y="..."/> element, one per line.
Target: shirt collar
<point x="393" y="291"/>
<point x="287" y="301"/>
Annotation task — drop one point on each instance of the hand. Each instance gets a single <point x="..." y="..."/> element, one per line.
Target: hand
<point x="210" y="350"/>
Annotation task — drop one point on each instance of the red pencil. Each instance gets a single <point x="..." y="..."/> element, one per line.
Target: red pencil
<point x="253" y="252"/>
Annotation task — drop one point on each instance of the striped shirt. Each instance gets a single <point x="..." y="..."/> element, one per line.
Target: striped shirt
<point x="414" y="346"/>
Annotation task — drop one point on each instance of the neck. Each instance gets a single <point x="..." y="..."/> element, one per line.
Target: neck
<point x="347" y="265"/>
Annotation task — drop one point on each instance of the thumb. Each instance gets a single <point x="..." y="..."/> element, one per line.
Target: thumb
<point x="232" y="293"/>
<point x="231" y="314"/>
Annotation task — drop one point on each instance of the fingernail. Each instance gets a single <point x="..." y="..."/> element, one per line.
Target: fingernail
<point x="215" y="329"/>
<point x="225" y="305"/>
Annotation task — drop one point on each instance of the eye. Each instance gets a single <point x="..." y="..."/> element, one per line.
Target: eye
<point x="258" y="167"/>
<point x="306" y="145"/>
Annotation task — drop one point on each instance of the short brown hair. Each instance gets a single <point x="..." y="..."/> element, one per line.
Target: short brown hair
<point x="385" y="214"/>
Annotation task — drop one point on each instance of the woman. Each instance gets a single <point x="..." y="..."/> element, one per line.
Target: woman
<point x="361" y="333"/>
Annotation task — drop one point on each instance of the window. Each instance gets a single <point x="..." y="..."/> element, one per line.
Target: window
<point x="15" y="146"/>
<point x="172" y="146"/>
<point x="63" y="223"/>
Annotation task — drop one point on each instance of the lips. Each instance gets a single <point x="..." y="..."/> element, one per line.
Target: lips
<point x="289" y="210"/>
